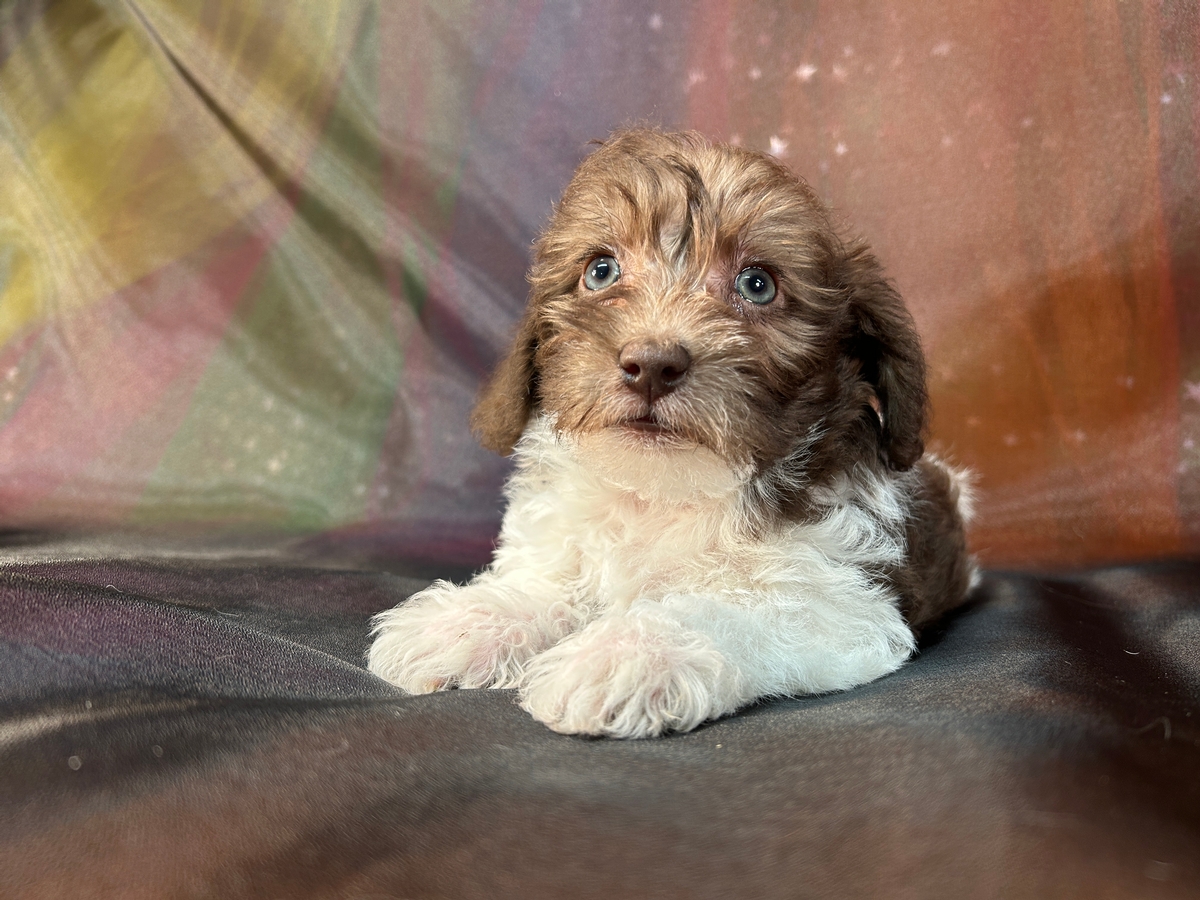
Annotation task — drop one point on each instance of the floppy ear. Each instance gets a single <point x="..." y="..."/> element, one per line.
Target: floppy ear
<point x="506" y="401"/>
<point x="888" y="349"/>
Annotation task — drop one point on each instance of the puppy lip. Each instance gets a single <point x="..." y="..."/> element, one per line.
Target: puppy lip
<point x="650" y="431"/>
<point x="647" y="424"/>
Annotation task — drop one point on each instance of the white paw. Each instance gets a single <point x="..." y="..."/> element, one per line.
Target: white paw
<point x="470" y="637"/>
<point x="630" y="676"/>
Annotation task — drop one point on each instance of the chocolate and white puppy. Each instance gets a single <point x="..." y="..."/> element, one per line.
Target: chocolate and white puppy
<point x="716" y="406"/>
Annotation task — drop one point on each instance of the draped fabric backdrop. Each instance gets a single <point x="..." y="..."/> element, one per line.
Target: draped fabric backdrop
<point x="256" y="257"/>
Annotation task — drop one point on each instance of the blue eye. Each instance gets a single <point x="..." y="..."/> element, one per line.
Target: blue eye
<point x="755" y="285"/>
<point x="601" y="272"/>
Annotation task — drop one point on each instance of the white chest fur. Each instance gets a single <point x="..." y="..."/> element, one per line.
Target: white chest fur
<point x="632" y="593"/>
<point x="616" y="524"/>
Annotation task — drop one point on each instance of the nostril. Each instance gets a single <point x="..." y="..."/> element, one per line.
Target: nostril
<point x="652" y="369"/>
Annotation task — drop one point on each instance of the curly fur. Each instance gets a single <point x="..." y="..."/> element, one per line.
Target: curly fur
<point x="765" y="524"/>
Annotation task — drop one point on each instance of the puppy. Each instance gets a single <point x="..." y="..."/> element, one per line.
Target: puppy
<point x="716" y="407"/>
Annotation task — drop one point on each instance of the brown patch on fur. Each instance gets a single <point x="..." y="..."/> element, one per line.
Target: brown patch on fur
<point x="507" y="399"/>
<point x="889" y="350"/>
<point x="938" y="570"/>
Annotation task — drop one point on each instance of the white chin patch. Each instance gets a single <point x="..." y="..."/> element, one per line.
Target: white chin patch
<point x="658" y="470"/>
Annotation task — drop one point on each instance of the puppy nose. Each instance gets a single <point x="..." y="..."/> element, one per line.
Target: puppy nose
<point x="653" y="369"/>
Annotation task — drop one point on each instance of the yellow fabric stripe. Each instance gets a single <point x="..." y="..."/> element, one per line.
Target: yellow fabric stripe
<point x="113" y="166"/>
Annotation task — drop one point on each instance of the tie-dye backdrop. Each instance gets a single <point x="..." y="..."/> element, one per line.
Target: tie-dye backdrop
<point x="255" y="257"/>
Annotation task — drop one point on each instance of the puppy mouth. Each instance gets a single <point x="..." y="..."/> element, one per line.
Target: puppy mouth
<point x="647" y="424"/>
<point x="649" y="431"/>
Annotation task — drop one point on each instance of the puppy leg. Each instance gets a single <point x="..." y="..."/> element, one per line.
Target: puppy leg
<point x="631" y="675"/>
<point x="670" y="665"/>
<point x="478" y="635"/>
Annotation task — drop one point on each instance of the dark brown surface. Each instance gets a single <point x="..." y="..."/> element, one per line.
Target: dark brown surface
<point x="203" y="728"/>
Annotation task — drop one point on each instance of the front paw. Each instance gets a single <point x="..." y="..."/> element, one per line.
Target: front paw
<point x="468" y="637"/>
<point x="630" y="676"/>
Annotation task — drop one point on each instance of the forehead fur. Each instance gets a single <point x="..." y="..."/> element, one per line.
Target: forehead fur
<point x="687" y="202"/>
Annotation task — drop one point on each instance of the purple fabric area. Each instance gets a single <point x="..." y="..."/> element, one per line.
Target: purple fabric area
<point x="187" y="727"/>
<point x="61" y="638"/>
<point x="255" y="259"/>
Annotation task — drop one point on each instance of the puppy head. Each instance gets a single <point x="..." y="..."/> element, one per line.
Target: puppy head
<point x="688" y="294"/>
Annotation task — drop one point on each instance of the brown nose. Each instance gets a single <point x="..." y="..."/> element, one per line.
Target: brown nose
<point x="653" y="370"/>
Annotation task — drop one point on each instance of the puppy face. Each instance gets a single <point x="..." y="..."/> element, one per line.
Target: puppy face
<point x="689" y="295"/>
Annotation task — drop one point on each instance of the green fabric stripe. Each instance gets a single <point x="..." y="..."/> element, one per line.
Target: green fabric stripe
<point x="287" y="422"/>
